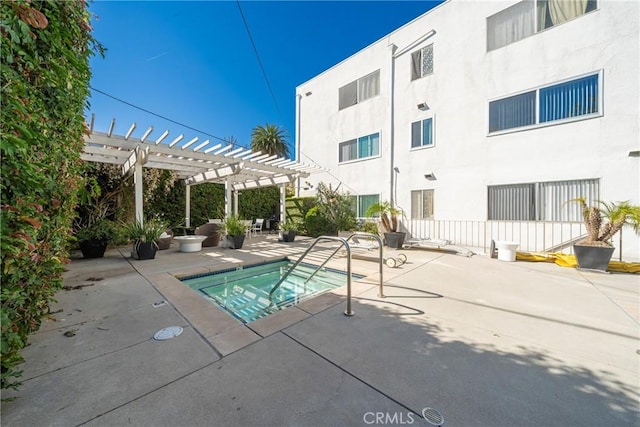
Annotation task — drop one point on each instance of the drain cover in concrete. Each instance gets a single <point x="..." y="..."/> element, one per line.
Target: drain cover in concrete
<point x="432" y="416"/>
<point x="167" y="333"/>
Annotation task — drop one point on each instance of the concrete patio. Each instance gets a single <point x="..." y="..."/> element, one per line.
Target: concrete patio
<point x="484" y="342"/>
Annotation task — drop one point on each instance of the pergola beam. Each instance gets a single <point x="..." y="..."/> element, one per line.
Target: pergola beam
<point x="237" y="167"/>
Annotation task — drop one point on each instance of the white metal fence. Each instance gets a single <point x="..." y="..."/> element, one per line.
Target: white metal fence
<point x="533" y="236"/>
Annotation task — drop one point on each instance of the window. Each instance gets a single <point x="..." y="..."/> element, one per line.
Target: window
<point x="363" y="147"/>
<point x="422" y="204"/>
<point x="527" y="17"/>
<point x="512" y="112"/>
<point x="359" y="90"/>
<point x="362" y="203"/>
<point x="422" y="62"/>
<point x="575" y="98"/>
<point x="422" y="133"/>
<point x="554" y="12"/>
<point x="542" y="201"/>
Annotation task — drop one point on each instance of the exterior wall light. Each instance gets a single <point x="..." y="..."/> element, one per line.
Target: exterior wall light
<point x="430" y="176"/>
<point x="423" y="106"/>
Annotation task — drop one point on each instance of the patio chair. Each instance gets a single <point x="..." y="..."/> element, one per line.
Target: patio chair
<point x="257" y="227"/>
<point x="247" y="227"/>
<point x="212" y="231"/>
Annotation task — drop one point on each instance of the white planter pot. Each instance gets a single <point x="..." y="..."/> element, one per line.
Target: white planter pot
<point x="190" y="243"/>
<point x="507" y="250"/>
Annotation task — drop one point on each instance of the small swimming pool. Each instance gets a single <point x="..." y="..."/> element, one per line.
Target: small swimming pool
<point x="244" y="292"/>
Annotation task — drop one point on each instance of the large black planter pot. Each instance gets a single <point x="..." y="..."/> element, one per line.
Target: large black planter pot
<point x="593" y="257"/>
<point x="235" y="242"/>
<point x="288" y="236"/>
<point x="93" y="248"/>
<point x="144" y="250"/>
<point x="394" y="240"/>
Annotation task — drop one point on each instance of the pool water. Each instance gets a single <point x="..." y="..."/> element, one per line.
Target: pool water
<point x="244" y="292"/>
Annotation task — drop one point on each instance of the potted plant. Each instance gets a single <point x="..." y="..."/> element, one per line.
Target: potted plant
<point x="94" y="237"/>
<point x="288" y="231"/>
<point x="235" y="231"/>
<point x="144" y="237"/>
<point x="602" y="223"/>
<point x="389" y="220"/>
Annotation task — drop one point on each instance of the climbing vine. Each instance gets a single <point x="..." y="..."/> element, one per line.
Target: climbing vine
<point x="45" y="75"/>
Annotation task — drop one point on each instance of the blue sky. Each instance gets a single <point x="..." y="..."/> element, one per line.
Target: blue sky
<point x="193" y="62"/>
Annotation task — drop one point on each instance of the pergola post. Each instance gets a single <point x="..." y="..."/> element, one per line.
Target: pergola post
<point x="227" y="198"/>
<point x="137" y="181"/>
<point x="187" y="204"/>
<point x="283" y="199"/>
<point x="235" y="202"/>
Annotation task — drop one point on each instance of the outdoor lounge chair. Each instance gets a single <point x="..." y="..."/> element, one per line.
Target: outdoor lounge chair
<point x="257" y="227"/>
<point x="212" y="231"/>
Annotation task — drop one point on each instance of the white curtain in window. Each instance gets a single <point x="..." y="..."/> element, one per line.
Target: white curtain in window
<point x="541" y="14"/>
<point x="416" y="205"/>
<point x="347" y="95"/>
<point x="427" y="203"/>
<point x="348" y="151"/>
<point x="511" y="24"/>
<point x="564" y="10"/>
<point x="416" y="60"/>
<point x="553" y="197"/>
<point x="369" y="86"/>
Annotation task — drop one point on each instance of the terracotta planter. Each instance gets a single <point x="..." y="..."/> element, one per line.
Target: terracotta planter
<point x="93" y="248"/>
<point x="593" y="257"/>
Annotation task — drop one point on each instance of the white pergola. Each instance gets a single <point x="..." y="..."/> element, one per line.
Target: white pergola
<point x="195" y="162"/>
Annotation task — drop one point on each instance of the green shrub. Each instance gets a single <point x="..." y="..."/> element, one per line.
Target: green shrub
<point x="317" y="224"/>
<point x="45" y="76"/>
<point x="102" y="229"/>
<point x="369" y="227"/>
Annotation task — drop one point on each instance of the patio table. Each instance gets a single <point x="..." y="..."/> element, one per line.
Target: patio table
<point x="190" y="243"/>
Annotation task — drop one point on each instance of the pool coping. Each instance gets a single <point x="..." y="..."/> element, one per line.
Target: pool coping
<point x="227" y="334"/>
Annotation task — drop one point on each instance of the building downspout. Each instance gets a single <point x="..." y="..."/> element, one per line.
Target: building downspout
<point x="392" y="67"/>
<point x="298" y="99"/>
<point x="392" y="50"/>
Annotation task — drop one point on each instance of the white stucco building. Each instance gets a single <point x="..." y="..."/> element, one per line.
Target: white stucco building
<point x="485" y="117"/>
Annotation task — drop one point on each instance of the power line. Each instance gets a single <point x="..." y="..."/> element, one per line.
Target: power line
<point x="166" y="118"/>
<point x="255" y="49"/>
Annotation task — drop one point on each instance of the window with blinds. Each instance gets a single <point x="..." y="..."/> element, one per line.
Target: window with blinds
<point x="575" y="98"/>
<point x="359" y="90"/>
<point x="541" y="201"/>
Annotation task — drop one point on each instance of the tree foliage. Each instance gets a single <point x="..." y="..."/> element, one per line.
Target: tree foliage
<point x="45" y="76"/>
<point x="270" y="139"/>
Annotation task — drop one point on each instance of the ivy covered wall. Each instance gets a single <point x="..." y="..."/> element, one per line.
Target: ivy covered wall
<point x="45" y="76"/>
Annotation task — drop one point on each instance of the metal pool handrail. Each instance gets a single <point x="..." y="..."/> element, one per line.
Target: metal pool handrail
<point x="343" y="242"/>
<point x="380" y="261"/>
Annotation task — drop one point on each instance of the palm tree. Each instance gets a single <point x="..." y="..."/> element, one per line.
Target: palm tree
<point x="270" y="139"/>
